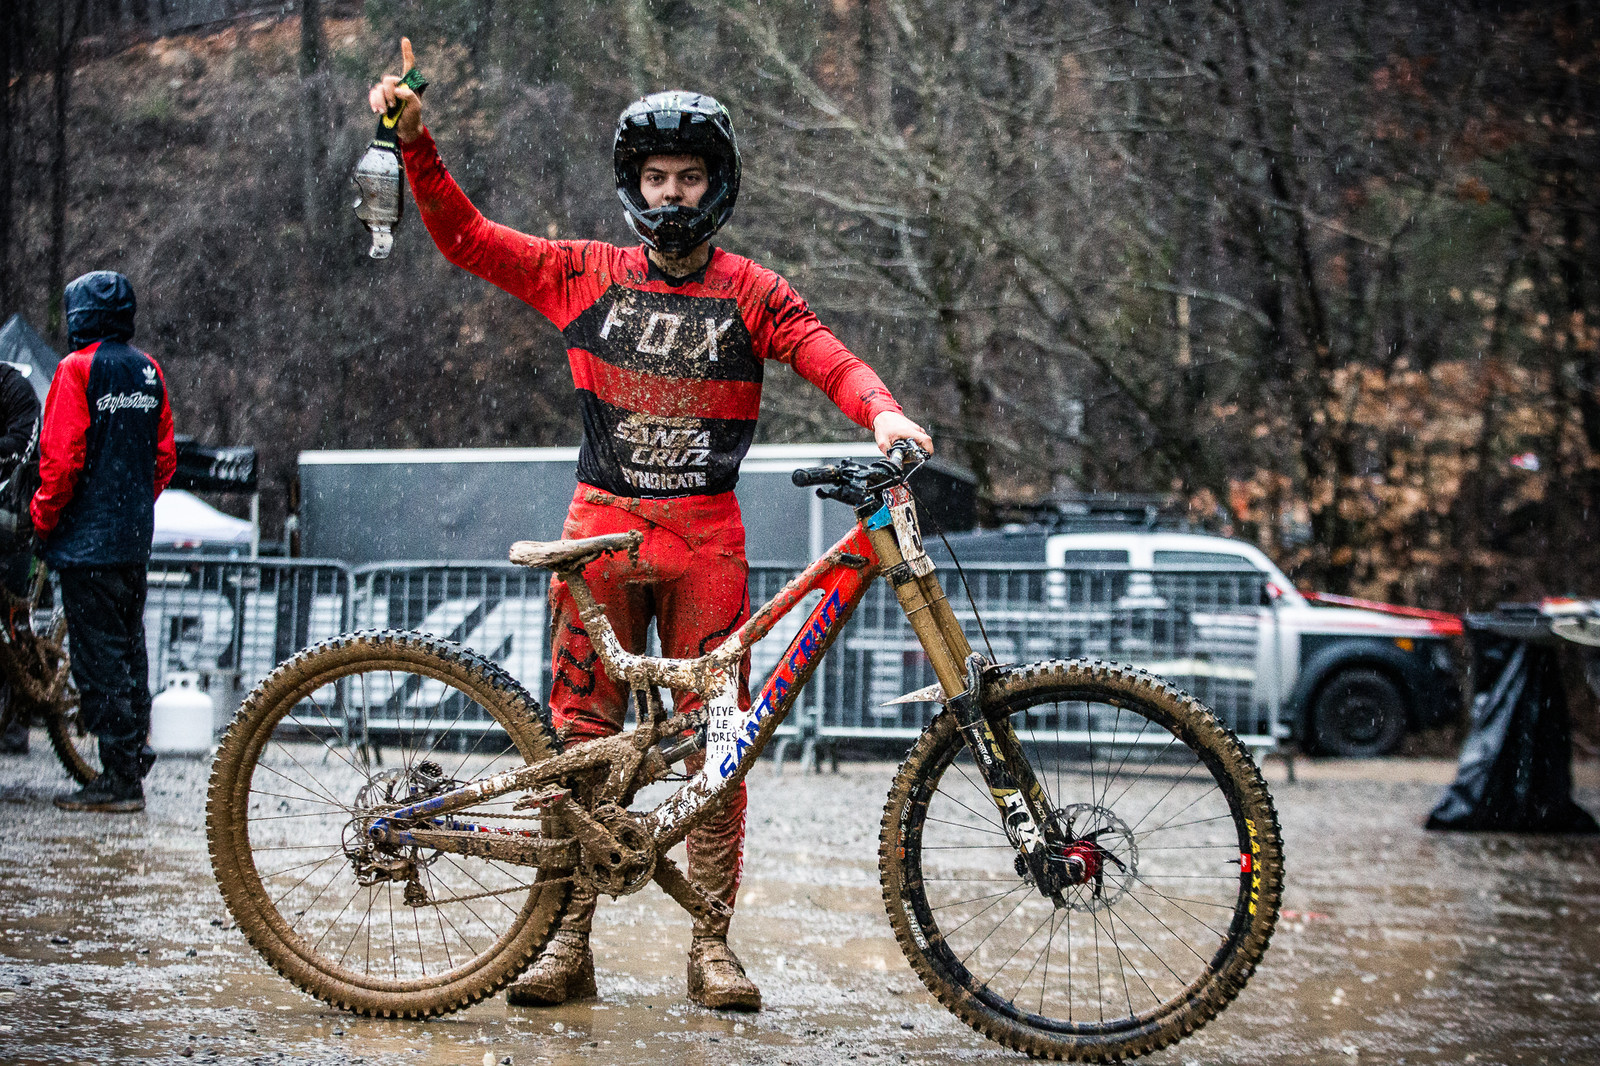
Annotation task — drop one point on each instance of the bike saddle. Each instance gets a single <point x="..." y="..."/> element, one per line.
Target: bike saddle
<point x="572" y="554"/>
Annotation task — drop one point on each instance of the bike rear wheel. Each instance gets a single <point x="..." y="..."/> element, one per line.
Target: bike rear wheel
<point x="370" y="929"/>
<point x="1191" y="867"/>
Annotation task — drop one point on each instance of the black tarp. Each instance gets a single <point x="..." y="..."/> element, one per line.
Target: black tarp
<point x="24" y="349"/>
<point x="1515" y="770"/>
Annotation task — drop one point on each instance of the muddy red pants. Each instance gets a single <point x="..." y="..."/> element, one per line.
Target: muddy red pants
<point x="692" y="578"/>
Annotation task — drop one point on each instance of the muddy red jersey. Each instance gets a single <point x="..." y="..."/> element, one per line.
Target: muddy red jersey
<point x="668" y="370"/>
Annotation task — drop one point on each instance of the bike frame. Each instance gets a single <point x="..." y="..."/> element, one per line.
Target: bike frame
<point x="735" y="737"/>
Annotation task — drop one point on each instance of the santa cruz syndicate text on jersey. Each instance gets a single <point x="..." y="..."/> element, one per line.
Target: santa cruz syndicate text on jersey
<point x="668" y="371"/>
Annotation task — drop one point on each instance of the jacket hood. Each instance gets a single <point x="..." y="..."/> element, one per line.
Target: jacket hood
<point x="100" y="307"/>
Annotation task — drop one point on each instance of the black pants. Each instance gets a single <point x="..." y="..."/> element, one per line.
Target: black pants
<point x="105" y="625"/>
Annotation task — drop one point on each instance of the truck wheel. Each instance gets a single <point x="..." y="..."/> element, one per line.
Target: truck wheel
<point x="1359" y="714"/>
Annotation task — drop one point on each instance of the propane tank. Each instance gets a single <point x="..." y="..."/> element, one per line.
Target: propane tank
<point x="180" y="717"/>
<point x="379" y="175"/>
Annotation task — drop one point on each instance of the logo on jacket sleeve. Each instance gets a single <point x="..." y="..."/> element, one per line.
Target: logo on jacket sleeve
<point x="149" y="375"/>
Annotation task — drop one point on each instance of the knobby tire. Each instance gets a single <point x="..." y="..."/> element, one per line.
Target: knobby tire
<point x="287" y="692"/>
<point x="1182" y="990"/>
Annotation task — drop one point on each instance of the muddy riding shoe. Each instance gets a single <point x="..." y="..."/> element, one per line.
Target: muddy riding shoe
<point x="106" y="794"/>
<point x="564" y="971"/>
<point x="717" y="980"/>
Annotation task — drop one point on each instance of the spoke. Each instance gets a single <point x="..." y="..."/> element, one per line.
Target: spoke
<point x="1124" y="957"/>
<point x="959" y="902"/>
<point x="1204" y="792"/>
<point x="1144" y="723"/>
<point x="1170" y="789"/>
<point x="993" y="930"/>
<point x="307" y="908"/>
<point x="300" y="799"/>
<point x="336" y="917"/>
<point x="307" y="877"/>
<point x="1145" y="770"/>
<point x="444" y="940"/>
<point x="1184" y="825"/>
<point x="1116" y="723"/>
<point x="312" y="696"/>
<point x="323" y="798"/>
<point x="984" y="911"/>
<point x="1044" y="981"/>
<point x="992" y="819"/>
<point x="292" y="869"/>
<point x="451" y="859"/>
<point x="394" y="947"/>
<point x="329" y="796"/>
<point x="1018" y="950"/>
<point x="963" y="825"/>
<point x="1179" y="908"/>
<point x="1179" y="936"/>
<point x="359" y="925"/>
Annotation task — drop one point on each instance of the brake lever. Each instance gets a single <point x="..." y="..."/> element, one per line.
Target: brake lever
<point x="854" y="495"/>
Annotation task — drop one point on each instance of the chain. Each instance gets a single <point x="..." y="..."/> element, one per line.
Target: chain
<point x="496" y="892"/>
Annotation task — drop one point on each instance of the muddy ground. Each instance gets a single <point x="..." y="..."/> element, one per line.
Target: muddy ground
<point x="1397" y="946"/>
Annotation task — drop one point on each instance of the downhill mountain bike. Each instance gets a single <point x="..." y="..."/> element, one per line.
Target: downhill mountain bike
<point x="1079" y="860"/>
<point x="36" y="677"/>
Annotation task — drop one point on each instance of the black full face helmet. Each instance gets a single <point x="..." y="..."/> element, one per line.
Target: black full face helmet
<point x="677" y="123"/>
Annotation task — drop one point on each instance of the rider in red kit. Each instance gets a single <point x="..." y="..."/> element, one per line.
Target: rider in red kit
<point x="668" y="342"/>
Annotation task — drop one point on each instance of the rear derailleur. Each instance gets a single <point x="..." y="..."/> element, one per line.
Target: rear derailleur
<point x="375" y="863"/>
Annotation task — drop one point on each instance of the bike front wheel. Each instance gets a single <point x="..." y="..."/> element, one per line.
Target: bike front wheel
<point x="347" y="729"/>
<point x="1185" y="844"/>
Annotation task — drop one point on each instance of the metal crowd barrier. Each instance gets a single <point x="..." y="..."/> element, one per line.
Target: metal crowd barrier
<point x="234" y="620"/>
<point x="1203" y="629"/>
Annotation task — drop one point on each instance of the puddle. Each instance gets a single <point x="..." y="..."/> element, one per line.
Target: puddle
<point x="1396" y="946"/>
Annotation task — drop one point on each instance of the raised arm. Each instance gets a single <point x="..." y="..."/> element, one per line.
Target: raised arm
<point x="529" y="268"/>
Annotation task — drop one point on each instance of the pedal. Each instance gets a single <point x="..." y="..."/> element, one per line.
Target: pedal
<point x="542" y="800"/>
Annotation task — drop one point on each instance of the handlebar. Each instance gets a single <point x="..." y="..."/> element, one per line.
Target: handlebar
<point x="903" y="458"/>
<point x="818" y="475"/>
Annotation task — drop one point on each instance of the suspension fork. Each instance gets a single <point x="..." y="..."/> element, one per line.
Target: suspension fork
<point x="1029" y="823"/>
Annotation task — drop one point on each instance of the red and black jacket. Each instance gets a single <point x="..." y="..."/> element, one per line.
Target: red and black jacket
<point x="105" y="453"/>
<point x="668" y="370"/>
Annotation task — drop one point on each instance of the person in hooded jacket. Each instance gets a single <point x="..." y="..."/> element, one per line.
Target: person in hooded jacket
<point x="105" y="453"/>
<point x="19" y="412"/>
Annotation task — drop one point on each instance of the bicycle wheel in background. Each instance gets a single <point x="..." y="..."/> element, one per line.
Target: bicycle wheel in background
<point x="1164" y="802"/>
<point x="389" y="931"/>
<point x="76" y="747"/>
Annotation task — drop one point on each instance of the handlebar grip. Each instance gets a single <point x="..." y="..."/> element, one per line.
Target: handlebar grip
<point x="815" y="475"/>
<point x="905" y="452"/>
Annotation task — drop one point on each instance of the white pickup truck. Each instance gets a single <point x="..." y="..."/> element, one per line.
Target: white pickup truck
<point x="1349" y="677"/>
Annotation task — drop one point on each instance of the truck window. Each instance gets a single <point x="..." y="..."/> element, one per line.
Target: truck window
<point x="1220" y="560"/>
<point x="1094" y="556"/>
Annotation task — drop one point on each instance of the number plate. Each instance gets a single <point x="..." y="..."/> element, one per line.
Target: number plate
<point x="903" y="513"/>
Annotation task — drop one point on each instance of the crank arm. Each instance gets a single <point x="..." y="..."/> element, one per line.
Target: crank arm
<point x="1029" y="823"/>
<point x="700" y="904"/>
<point x="504" y="847"/>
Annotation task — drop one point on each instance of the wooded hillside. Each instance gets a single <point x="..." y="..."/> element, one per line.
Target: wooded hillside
<point x="1326" y="270"/>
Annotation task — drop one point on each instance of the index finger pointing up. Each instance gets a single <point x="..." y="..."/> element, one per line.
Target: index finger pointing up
<point x="407" y="57"/>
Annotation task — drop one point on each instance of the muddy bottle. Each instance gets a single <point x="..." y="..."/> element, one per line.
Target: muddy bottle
<point x="379" y="175"/>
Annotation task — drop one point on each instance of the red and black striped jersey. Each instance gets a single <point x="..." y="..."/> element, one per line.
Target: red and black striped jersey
<point x="668" y="370"/>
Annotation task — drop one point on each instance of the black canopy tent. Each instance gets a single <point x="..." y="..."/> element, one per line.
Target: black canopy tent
<point x="206" y="469"/>
<point x="23" y="348"/>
